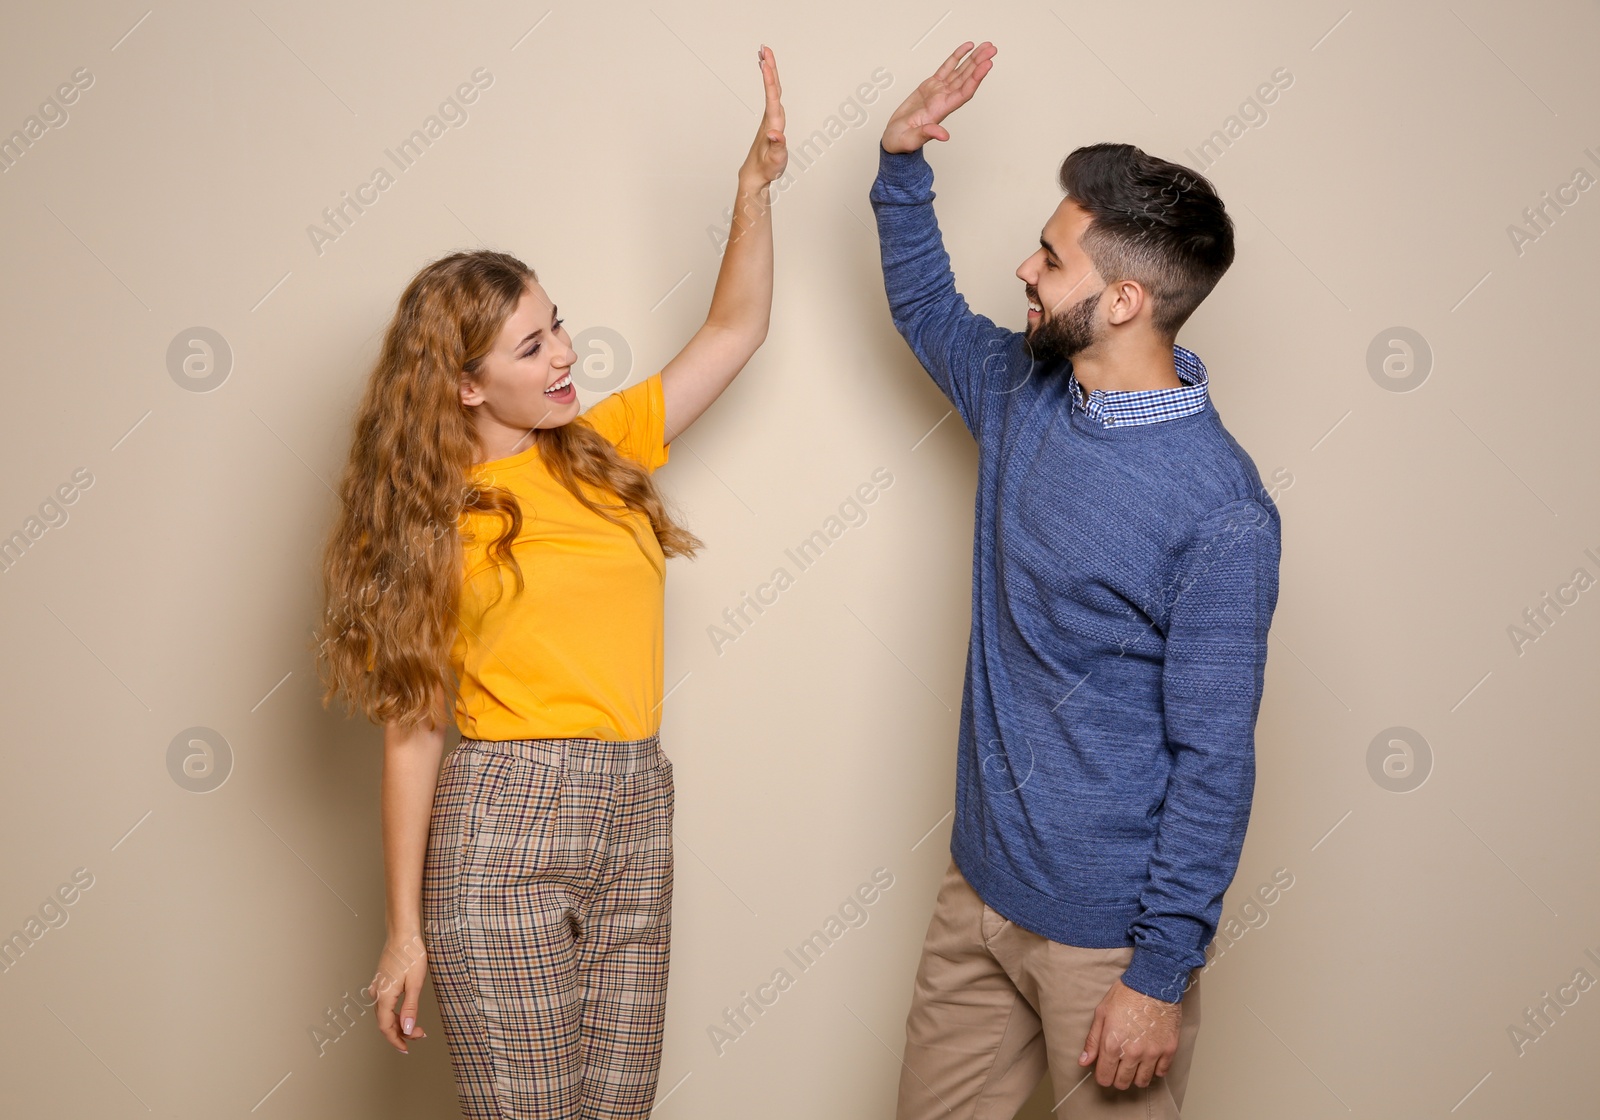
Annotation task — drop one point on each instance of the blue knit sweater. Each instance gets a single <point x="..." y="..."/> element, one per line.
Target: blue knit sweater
<point x="1123" y="580"/>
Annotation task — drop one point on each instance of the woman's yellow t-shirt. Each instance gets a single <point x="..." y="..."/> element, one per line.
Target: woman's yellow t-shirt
<point x="579" y="652"/>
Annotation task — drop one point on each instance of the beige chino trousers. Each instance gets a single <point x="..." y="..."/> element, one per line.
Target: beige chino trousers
<point x="995" y="1006"/>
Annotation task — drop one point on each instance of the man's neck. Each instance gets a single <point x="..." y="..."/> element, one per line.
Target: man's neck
<point x="1129" y="372"/>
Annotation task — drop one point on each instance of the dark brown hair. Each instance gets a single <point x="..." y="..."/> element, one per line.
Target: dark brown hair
<point x="1152" y="221"/>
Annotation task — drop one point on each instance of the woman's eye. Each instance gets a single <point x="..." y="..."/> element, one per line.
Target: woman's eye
<point x="535" y="349"/>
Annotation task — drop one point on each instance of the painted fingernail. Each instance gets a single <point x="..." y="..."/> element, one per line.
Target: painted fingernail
<point x="408" y="1024"/>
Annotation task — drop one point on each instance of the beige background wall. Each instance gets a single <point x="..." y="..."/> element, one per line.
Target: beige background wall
<point x="177" y="592"/>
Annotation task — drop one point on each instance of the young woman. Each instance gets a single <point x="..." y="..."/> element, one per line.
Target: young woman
<point x="491" y="532"/>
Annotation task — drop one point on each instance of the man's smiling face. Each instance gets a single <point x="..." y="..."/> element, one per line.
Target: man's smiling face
<point x="1062" y="283"/>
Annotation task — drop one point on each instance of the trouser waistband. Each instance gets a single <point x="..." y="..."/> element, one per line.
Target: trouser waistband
<point x="617" y="756"/>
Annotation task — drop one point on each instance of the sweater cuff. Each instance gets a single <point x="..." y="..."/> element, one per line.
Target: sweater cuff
<point x="1156" y="975"/>
<point x="909" y="172"/>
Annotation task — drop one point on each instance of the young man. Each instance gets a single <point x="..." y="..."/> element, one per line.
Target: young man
<point x="1125" y="572"/>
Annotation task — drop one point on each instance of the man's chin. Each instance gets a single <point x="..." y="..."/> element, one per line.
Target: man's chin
<point x="1044" y="355"/>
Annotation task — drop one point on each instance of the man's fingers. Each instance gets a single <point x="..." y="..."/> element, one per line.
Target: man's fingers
<point x="1091" y="1044"/>
<point x="969" y="65"/>
<point x="949" y="94"/>
<point x="1127" y="1069"/>
<point x="949" y="65"/>
<point x="966" y="80"/>
<point x="1105" y="1069"/>
<point x="969" y="85"/>
<point x="959" y="74"/>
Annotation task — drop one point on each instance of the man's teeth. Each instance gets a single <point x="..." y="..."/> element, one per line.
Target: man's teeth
<point x="560" y="385"/>
<point x="1035" y="306"/>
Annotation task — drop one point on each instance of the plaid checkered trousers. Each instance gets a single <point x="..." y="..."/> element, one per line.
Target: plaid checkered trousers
<point x="547" y="908"/>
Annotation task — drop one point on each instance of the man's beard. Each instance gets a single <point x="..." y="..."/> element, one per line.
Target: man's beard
<point x="1060" y="336"/>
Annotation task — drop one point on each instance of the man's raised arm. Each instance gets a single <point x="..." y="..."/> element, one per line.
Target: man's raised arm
<point x="955" y="345"/>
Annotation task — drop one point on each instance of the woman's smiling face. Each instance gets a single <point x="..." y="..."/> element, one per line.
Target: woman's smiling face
<point x="525" y="381"/>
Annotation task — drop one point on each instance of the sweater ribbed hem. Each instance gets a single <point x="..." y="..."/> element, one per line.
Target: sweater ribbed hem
<point x="1071" y="923"/>
<point x="1150" y="972"/>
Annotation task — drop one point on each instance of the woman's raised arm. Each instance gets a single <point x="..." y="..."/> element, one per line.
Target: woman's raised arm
<point x="741" y="304"/>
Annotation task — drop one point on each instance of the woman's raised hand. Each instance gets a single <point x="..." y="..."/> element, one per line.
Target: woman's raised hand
<point x="769" y="154"/>
<point x="952" y="86"/>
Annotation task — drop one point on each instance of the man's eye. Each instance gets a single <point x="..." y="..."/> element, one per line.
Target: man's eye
<point x="1047" y="264"/>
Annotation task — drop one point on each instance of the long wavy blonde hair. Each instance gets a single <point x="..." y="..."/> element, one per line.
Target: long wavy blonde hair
<point x="391" y="569"/>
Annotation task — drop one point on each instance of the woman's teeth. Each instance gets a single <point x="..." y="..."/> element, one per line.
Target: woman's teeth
<point x="559" y="386"/>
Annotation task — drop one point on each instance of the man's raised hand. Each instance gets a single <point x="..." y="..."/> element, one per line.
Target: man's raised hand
<point x="952" y="86"/>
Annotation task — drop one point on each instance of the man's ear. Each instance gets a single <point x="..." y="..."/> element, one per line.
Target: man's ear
<point x="1128" y="297"/>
